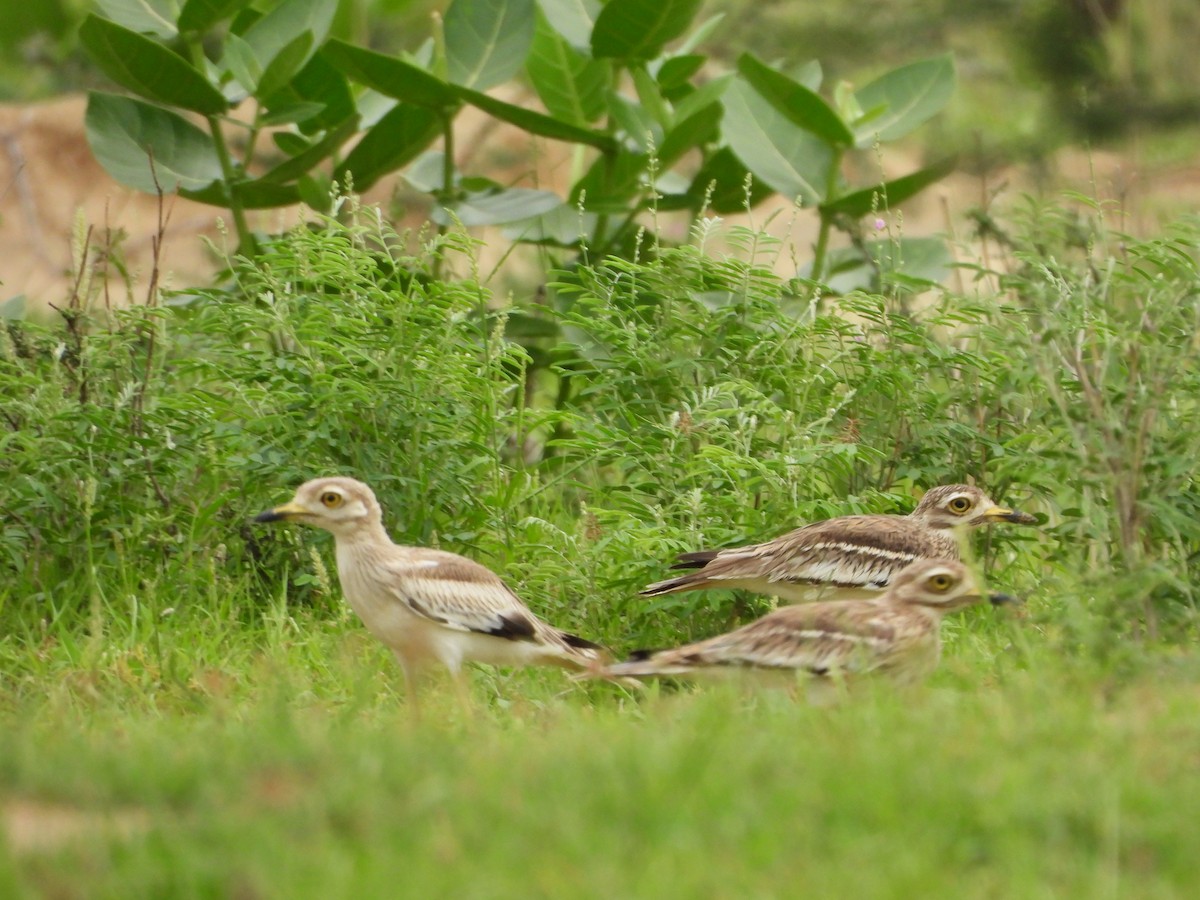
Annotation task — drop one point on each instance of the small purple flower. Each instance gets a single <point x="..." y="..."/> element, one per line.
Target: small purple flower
<point x="880" y="224"/>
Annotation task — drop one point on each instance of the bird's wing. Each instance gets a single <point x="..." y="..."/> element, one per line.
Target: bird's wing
<point x="849" y="552"/>
<point x="460" y="594"/>
<point x="820" y="638"/>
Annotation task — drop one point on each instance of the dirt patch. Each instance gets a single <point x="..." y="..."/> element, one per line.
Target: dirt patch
<point x="51" y="189"/>
<point x="33" y="826"/>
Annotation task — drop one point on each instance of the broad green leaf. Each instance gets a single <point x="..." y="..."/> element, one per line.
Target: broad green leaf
<point x="635" y="121"/>
<point x="250" y="194"/>
<point x="487" y="40"/>
<point x="649" y="97"/>
<point x="793" y="161"/>
<point x="290" y="142"/>
<point x="156" y="17"/>
<point x="611" y="182"/>
<point x="700" y="33"/>
<point x="292" y="114"/>
<point x="573" y="19"/>
<point x="392" y="142"/>
<point x="241" y="63"/>
<point x="697" y="130"/>
<point x="535" y="122"/>
<point x="279" y="30"/>
<point x="915" y="264"/>
<point x="889" y="194"/>
<point x="563" y="226"/>
<point x="200" y="15"/>
<point x="315" y="192"/>
<point x="727" y="185"/>
<point x="391" y="76"/>
<point x="810" y="75"/>
<point x="283" y="68"/>
<point x="800" y="105"/>
<point x="676" y="71"/>
<point x="148" y="68"/>
<point x="912" y="94"/>
<point x="318" y="82"/>
<point x="571" y="85"/>
<point x="126" y="135"/>
<point x="638" y="29"/>
<point x="497" y="207"/>
<point x="705" y="95"/>
<point x="302" y="162"/>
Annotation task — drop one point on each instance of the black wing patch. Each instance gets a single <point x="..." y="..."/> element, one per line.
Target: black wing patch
<point x="514" y="627"/>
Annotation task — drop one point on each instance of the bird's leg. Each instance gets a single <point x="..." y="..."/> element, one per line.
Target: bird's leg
<point x="463" y="692"/>
<point x="412" y="677"/>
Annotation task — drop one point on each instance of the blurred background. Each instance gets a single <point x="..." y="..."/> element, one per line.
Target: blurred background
<point x="1101" y="97"/>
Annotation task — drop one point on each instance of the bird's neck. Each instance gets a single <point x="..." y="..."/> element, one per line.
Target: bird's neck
<point x="362" y="534"/>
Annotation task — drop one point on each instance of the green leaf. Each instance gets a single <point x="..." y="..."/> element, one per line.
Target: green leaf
<point x="241" y="63"/>
<point x="635" y="121"/>
<point x="148" y="68"/>
<point x="537" y="123"/>
<point x="250" y="194"/>
<point x="497" y="207"/>
<point x="649" y="97"/>
<point x="676" y="71"/>
<point x="487" y="40"/>
<point x="638" y="29"/>
<point x="315" y="192"/>
<point x="698" y="98"/>
<point x="571" y="85"/>
<point x="283" y="68"/>
<point x="723" y="179"/>
<point x="392" y="142"/>
<point x="156" y="17"/>
<point x="573" y="19"/>
<point x="697" y="130"/>
<point x="320" y="83"/>
<point x="563" y="226"/>
<point x="611" y="182"/>
<point x="13" y="309"/>
<point x="126" y="134"/>
<point x="392" y="76"/>
<point x="200" y="15"/>
<point x="890" y="193"/>
<point x="290" y="143"/>
<point x="790" y="159"/>
<point x="913" y="264"/>
<point x="280" y="29"/>
<point x="800" y="105"/>
<point x="912" y="94"/>
<point x="310" y="156"/>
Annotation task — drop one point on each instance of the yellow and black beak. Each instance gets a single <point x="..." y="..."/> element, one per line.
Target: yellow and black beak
<point x="1003" y="513"/>
<point x="282" y="513"/>
<point x="1003" y="599"/>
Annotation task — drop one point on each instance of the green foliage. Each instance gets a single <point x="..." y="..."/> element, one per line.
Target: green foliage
<point x="658" y="138"/>
<point x="694" y="402"/>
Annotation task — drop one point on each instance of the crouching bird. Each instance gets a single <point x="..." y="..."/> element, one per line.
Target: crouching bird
<point x="847" y="558"/>
<point x="430" y="607"/>
<point x="897" y="635"/>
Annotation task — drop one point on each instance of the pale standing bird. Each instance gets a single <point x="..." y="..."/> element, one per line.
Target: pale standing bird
<point x="896" y="635"/>
<point x="430" y="607"/>
<point x="850" y="557"/>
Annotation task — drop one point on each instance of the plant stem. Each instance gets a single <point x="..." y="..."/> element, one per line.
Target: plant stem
<point x="822" y="246"/>
<point x="228" y="176"/>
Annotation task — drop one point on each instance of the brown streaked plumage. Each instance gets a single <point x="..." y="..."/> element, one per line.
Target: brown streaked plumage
<point x="430" y="607"/>
<point x="850" y="557"/>
<point x="896" y="635"/>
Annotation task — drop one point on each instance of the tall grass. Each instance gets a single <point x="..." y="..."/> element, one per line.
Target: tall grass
<point x="191" y="694"/>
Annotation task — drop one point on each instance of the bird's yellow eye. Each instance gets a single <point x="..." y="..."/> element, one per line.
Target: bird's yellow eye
<point x="331" y="499"/>
<point x="940" y="583"/>
<point x="960" y="505"/>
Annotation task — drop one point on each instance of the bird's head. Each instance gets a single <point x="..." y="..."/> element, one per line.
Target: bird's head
<point x="340" y="505"/>
<point x="941" y="585"/>
<point x="955" y="505"/>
